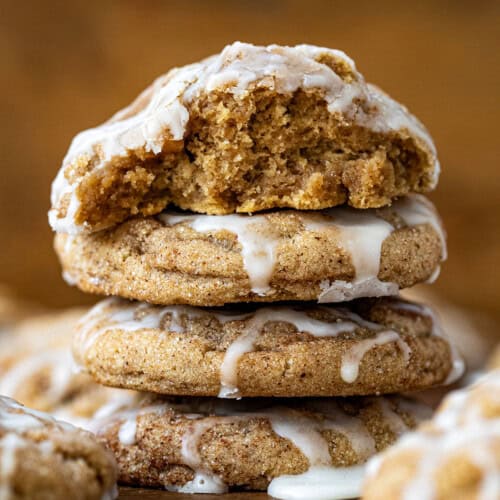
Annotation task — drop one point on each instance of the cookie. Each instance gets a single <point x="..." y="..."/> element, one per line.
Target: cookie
<point x="203" y="260"/>
<point x="208" y="445"/>
<point x="252" y="128"/>
<point x="44" y="458"/>
<point x="456" y="455"/>
<point x="36" y="368"/>
<point x="367" y="347"/>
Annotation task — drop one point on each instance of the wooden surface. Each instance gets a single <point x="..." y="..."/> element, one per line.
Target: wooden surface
<point x="132" y="493"/>
<point x="69" y="65"/>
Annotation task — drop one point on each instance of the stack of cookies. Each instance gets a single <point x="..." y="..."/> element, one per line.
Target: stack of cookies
<point x="254" y="216"/>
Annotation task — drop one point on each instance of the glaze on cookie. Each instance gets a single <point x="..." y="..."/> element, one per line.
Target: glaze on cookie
<point x="330" y="256"/>
<point x="204" y="445"/>
<point x="367" y="347"/>
<point x="249" y="129"/>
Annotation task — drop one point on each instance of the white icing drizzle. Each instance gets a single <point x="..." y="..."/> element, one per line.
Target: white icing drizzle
<point x="126" y="434"/>
<point x="417" y="209"/>
<point x="352" y="359"/>
<point x="256" y="235"/>
<point x="245" y="341"/>
<point x="129" y="316"/>
<point x="116" y="313"/>
<point x="319" y="483"/>
<point x="393" y="420"/>
<point x="161" y="112"/>
<point x="304" y="432"/>
<point x="360" y="233"/>
<point x="204" y="481"/>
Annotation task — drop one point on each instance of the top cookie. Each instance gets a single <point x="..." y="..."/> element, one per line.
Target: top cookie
<point x="249" y="129"/>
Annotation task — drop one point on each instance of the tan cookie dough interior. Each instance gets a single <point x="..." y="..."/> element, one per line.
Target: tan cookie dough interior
<point x="249" y="129"/>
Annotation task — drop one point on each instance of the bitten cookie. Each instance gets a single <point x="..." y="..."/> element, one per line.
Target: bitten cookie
<point x="36" y="369"/>
<point x="249" y="129"/>
<point x="456" y="455"/>
<point x="367" y="347"/>
<point x="203" y="260"/>
<point x="44" y="458"/>
<point x="208" y="445"/>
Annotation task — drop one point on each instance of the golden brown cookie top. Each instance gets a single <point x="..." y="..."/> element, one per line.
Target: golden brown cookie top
<point x="240" y="118"/>
<point x="455" y="455"/>
<point x="43" y="457"/>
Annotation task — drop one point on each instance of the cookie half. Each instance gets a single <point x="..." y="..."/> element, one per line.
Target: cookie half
<point x="208" y="445"/>
<point x="456" y="455"/>
<point x="329" y="256"/>
<point x="44" y="458"/>
<point x="252" y="128"/>
<point x="367" y="347"/>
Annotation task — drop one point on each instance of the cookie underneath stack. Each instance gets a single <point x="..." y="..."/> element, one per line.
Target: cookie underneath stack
<point x="252" y="129"/>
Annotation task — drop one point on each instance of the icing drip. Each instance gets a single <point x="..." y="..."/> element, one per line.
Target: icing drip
<point x="393" y="420"/>
<point x="204" y="481"/>
<point x="161" y="112"/>
<point x="319" y="483"/>
<point x="257" y="237"/>
<point x="301" y="430"/>
<point x="126" y="434"/>
<point x="417" y="209"/>
<point x="352" y="359"/>
<point x="361" y="233"/>
<point x="245" y="342"/>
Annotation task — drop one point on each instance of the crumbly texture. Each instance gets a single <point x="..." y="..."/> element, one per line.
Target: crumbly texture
<point x="256" y="150"/>
<point x="243" y="451"/>
<point x="146" y="259"/>
<point x="456" y="455"/>
<point x="284" y="362"/>
<point x="54" y="461"/>
<point x="36" y="369"/>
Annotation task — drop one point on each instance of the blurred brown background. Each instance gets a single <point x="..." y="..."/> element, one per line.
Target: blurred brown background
<point x="67" y="66"/>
